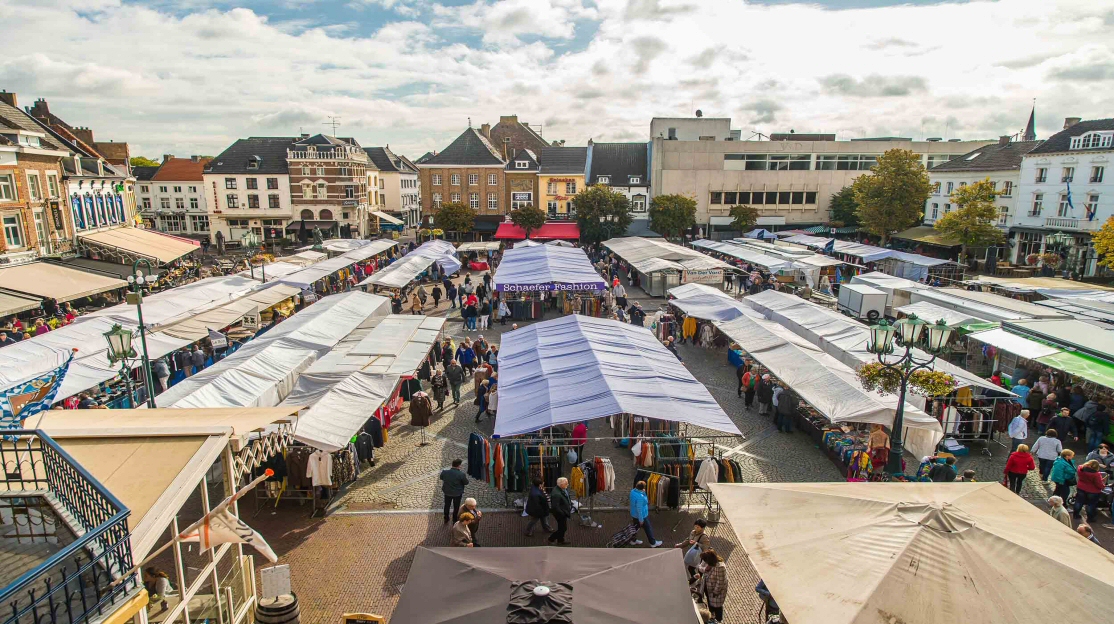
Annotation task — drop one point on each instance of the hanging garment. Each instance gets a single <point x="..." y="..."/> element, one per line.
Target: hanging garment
<point x="421" y="410"/>
<point x="319" y="468"/>
<point x="708" y="473"/>
<point x="475" y="455"/>
<point x="374" y="428"/>
<point x="688" y="328"/>
<point x="706" y="335"/>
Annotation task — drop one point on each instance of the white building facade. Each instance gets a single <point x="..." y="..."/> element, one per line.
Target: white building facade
<point x="247" y="188"/>
<point x="398" y="190"/>
<point x="173" y="199"/>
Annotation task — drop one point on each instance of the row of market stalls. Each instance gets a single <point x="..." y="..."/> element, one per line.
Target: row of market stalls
<point x="415" y="264"/>
<point x="787" y="263"/>
<point x="891" y="261"/>
<point x="539" y="277"/>
<point x="656" y="265"/>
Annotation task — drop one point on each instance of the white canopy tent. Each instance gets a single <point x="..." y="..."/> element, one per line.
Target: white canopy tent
<point x="897" y="289"/>
<point x="311" y="274"/>
<point x="647" y="255"/>
<point x="340" y="245"/>
<point x="263" y="371"/>
<point x="413" y="264"/>
<point x="839" y="336"/>
<point x="272" y="271"/>
<point x="547" y="267"/>
<point x="577" y="368"/>
<point x="911" y="265"/>
<point x="182" y="301"/>
<point x="526" y="243"/>
<point x="479" y="246"/>
<point x="708" y="303"/>
<point x="930" y="312"/>
<point x="746" y="254"/>
<point x="827" y="384"/>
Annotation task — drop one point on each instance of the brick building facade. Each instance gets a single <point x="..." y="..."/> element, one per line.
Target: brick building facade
<point x="329" y="184"/>
<point x="511" y="135"/>
<point x="471" y="171"/>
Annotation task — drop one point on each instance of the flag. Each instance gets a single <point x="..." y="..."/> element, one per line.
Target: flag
<point x="219" y="526"/>
<point x="30" y="397"/>
<point x="1070" y="205"/>
<point x="217" y="339"/>
<point x="829" y="247"/>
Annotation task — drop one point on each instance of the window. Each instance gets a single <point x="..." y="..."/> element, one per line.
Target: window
<point x="757" y="198"/>
<point x="729" y="198"/>
<point x="936" y="188"/>
<point x="164" y="203"/>
<point x="1092" y="204"/>
<point x="35" y="190"/>
<point x="519" y="200"/>
<point x="349" y="192"/>
<point x="253" y="163"/>
<point x="382" y="183"/>
<point x="771" y="198"/>
<point x="638" y="203"/>
<point x="1063" y="209"/>
<point x="947" y="208"/>
<point x="935" y="211"/>
<point x="322" y="190"/>
<point x="798" y="197"/>
<point x="343" y="172"/>
<point x="13" y="231"/>
<point x="1096" y="174"/>
<point x="847" y="162"/>
<point x="146" y="205"/>
<point x="242" y="223"/>
<point x="253" y="200"/>
<point x="200" y="223"/>
<point x="604" y="180"/>
<point x="551" y="188"/>
<point x="474" y="201"/>
<point x="308" y="191"/>
<point x="273" y="201"/>
<point x="473" y="179"/>
<point x="180" y="203"/>
<point x="962" y="184"/>
<point x="1003" y="216"/>
<point x="232" y="201"/>
<point x="1038" y="203"/>
<point x="173" y="223"/>
<point x="344" y="215"/>
<point x="193" y="203"/>
<point x="492" y="201"/>
<point x="672" y="134"/>
<point x="454" y="179"/>
<point x="521" y="164"/>
<point x="252" y="184"/>
<point x="326" y="215"/>
<point x="7" y="187"/>
<point x="435" y="179"/>
<point x="636" y="179"/>
<point x="305" y="170"/>
<point x="162" y="189"/>
<point x="717" y="198"/>
<point x="1007" y="189"/>
<point x="570" y="188"/>
<point x="306" y="214"/>
<point x="272" y="184"/>
<point x="144" y="189"/>
<point x="454" y="198"/>
<point x="810" y="197"/>
<point x="1091" y="140"/>
<point x="790" y="162"/>
<point x="193" y="189"/>
<point x="783" y="197"/>
<point x="492" y="179"/>
<point x="229" y="183"/>
<point x="436" y="200"/>
<point x="744" y="197"/>
<point x="1042" y="175"/>
<point x="178" y="189"/>
<point x="951" y="187"/>
<point x="552" y="207"/>
<point x="1068" y="174"/>
<point x="320" y="171"/>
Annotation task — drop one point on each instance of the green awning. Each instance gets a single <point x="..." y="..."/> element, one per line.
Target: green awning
<point x="975" y="326"/>
<point x="1088" y="368"/>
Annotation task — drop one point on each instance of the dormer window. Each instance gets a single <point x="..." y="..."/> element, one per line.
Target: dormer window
<point x="521" y="164"/>
<point x="1093" y="140"/>
<point x="604" y="179"/>
<point x="253" y="162"/>
<point x="635" y="179"/>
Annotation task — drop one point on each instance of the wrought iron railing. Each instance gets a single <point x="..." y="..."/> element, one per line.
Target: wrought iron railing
<point x="84" y="579"/>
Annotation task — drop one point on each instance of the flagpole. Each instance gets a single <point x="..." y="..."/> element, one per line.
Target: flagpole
<point x="185" y="532"/>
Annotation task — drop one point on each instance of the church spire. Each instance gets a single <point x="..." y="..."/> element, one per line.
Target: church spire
<point x="1031" y="127"/>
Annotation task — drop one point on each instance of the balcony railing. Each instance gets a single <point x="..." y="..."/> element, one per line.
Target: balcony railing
<point x="74" y="584"/>
<point x="1060" y="223"/>
<point x="329" y="154"/>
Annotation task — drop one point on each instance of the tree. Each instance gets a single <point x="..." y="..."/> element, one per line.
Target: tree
<point x="892" y="197"/>
<point x="971" y="224"/>
<point x="1103" y="240"/>
<point x="528" y="218"/>
<point x="141" y="161"/>
<point x="672" y="214"/>
<point x="601" y="213"/>
<point x="844" y="208"/>
<point x="455" y="217"/>
<point x="745" y="218"/>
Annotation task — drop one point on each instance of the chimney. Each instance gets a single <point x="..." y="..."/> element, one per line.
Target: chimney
<point x="305" y="135"/>
<point x="1004" y="140"/>
<point x="485" y="130"/>
<point x="1071" y="121"/>
<point x="511" y="119"/>
<point x="85" y="134"/>
<point x="9" y="99"/>
<point x="166" y="157"/>
<point x="40" y="109"/>
<point x="195" y="158"/>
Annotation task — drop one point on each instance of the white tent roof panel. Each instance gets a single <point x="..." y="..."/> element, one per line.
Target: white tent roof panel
<point x="531" y="268"/>
<point x="705" y="302"/>
<point x="413" y="264"/>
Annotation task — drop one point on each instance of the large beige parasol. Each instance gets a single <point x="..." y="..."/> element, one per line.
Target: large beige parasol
<point x="916" y="553"/>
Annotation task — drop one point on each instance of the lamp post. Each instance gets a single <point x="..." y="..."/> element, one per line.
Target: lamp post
<point x="250" y="241"/>
<point x="137" y="280"/>
<point x="120" y="350"/>
<point x="908" y="332"/>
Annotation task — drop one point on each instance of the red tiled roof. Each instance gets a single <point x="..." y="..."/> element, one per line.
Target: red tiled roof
<point x="181" y="170"/>
<point x="548" y="231"/>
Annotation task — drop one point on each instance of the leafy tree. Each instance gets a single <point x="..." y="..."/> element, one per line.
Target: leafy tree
<point x="844" y="208"/>
<point x="892" y="197"/>
<point x="745" y="218"/>
<point x="455" y="217"/>
<point x="972" y="223"/>
<point x="141" y="161"/>
<point x="528" y="218"/>
<point x="601" y="213"/>
<point x="1104" y="243"/>
<point x="672" y="214"/>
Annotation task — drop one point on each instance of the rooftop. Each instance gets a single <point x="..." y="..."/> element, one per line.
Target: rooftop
<point x="1061" y="141"/>
<point x="567" y="160"/>
<point x="619" y="161"/>
<point x="470" y="148"/>
<point x="270" y="150"/>
<point x="996" y="157"/>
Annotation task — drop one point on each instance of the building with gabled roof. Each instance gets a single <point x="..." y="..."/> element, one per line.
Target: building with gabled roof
<point x="522" y="179"/>
<point x="625" y="167"/>
<point x="470" y="170"/>
<point x="398" y="191"/>
<point x="511" y="135"/>
<point x="172" y="198"/>
<point x="561" y="177"/>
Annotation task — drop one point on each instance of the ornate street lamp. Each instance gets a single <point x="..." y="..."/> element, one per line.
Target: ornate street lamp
<point x="251" y="241"/>
<point x="120" y="350"/>
<point x="909" y="330"/>
<point x="138" y="280"/>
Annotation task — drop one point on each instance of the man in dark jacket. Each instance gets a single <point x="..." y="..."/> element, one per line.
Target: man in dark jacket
<point x="637" y="314"/>
<point x="765" y="393"/>
<point x="537" y="507"/>
<point x="455" y="373"/>
<point x="453" y="482"/>
<point x="943" y="473"/>
<point x="1064" y="425"/>
<point x="786" y="406"/>
<point x="1098" y="424"/>
<point x="561" y="508"/>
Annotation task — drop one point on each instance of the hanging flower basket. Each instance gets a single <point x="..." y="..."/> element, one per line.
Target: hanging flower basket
<point x="877" y="378"/>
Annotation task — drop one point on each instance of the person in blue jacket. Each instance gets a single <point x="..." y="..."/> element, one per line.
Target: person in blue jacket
<point x="640" y="512"/>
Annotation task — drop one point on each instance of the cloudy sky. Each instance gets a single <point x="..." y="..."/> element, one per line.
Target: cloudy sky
<point x="191" y="76"/>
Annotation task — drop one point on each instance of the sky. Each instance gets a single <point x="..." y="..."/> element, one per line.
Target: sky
<point x="191" y="76"/>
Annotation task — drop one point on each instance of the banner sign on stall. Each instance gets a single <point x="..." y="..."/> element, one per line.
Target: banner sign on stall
<point x="551" y="286"/>
<point x="251" y="319"/>
<point x="707" y="276"/>
<point x="218" y="339"/>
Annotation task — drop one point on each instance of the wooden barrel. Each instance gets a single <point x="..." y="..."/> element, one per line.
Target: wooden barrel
<point x="279" y="610"/>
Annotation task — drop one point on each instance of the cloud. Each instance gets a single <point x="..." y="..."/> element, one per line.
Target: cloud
<point x="1099" y="71"/>
<point x="764" y="111"/>
<point x="873" y="85"/>
<point x="653" y="10"/>
<point x="1088" y="63"/>
<point x="705" y="58"/>
<point x="646" y="49"/>
<point x="507" y="21"/>
<point x="405" y="8"/>
<point x="892" y="42"/>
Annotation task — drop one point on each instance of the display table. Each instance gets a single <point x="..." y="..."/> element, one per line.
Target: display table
<point x="735" y="357"/>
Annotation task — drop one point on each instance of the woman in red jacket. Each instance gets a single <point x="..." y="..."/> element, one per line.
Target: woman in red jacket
<point x="1088" y="487"/>
<point x="1017" y="466"/>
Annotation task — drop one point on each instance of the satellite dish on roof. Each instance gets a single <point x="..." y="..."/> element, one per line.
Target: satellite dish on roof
<point x="699" y="113"/>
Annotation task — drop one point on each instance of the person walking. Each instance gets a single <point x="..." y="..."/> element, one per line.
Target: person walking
<point x="740" y="373"/>
<point x="750" y="380"/>
<point x="1088" y="487"/>
<point x="1019" y="430"/>
<point x="440" y="386"/>
<point x="1064" y="425"/>
<point x="455" y="376"/>
<point x="1018" y="465"/>
<point x="697" y="543"/>
<point x="415" y="303"/>
<point x="1098" y="425"/>
<point x="461" y="535"/>
<point x="436" y="294"/>
<point x="765" y="395"/>
<point x="453" y="482"/>
<point x="1103" y="456"/>
<point x="1021" y="389"/>
<point x="451" y="293"/>
<point x="715" y="583"/>
<point x="1063" y="473"/>
<point x="1057" y="510"/>
<point x="640" y="512"/>
<point x="1046" y="449"/>
<point x="1034" y="400"/>
<point x="561" y="509"/>
<point x="197" y="359"/>
<point x="786" y="407"/>
<point x="471" y="508"/>
<point x="162" y="373"/>
<point x="537" y="507"/>
<point x="1048" y="410"/>
<point x="481" y="398"/>
<point x="484" y="314"/>
<point x="466" y="356"/>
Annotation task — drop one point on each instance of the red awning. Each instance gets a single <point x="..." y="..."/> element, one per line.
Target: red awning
<point x="510" y="231"/>
<point x="555" y="231"/>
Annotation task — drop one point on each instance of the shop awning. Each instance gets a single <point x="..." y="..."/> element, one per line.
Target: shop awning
<point x="479" y="246"/>
<point x="924" y="553"/>
<point x="46" y="279"/>
<point x="12" y="303"/>
<point x="306" y="257"/>
<point x="382" y="216"/>
<point x="1091" y="369"/>
<point x="578" y="368"/>
<point x="548" y="231"/>
<point x="145" y="243"/>
<point x="746" y="254"/>
<point x="926" y="234"/>
<point x="296" y="226"/>
<point x="647" y="255"/>
<point x="197" y="327"/>
<point x="271" y="271"/>
<point x="240" y="422"/>
<point x="484" y="225"/>
<point x="705" y="302"/>
<point x="510" y="231"/>
<point x="109" y="269"/>
<point x="314" y="272"/>
<point x="547" y="267"/>
<point x="343" y="409"/>
<point x="761" y="233"/>
<point x="413" y="264"/>
<point x="1018" y="345"/>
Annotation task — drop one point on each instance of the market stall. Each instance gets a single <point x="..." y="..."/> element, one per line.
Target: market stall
<point x="414" y="265"/>
<point x="919" y="553"/>
<point x="478" y="255"/>
<point x="656" y="265"/>
<point x="704" y="302"/>
<point x="531" y="279"/>
<point x="327" y="273"/>
<point x="898" y="289"/>
<point x="898" y="263"/>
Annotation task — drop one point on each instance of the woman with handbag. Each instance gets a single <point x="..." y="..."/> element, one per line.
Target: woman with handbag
<point x="1063" y="473"/>
<point x="715" y="583"/>
<point x="695" y="545"/>
<point x="1018" y="465"/>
